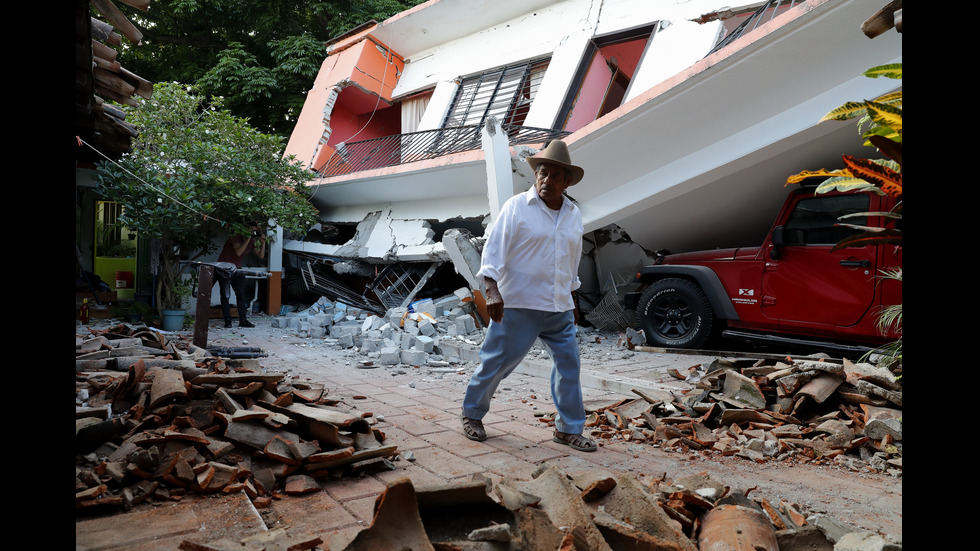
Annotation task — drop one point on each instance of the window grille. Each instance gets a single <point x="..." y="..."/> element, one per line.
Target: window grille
<point x="504" y="93"/>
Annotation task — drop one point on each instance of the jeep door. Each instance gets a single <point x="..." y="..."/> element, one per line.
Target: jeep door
<point x="808" y="286"/>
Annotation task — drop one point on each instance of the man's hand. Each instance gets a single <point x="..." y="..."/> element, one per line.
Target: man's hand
<point x="495" y="302"/>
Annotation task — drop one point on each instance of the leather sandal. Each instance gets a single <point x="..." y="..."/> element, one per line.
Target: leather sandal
<point x="575" y="441"/>
<point x="473" y="429"/>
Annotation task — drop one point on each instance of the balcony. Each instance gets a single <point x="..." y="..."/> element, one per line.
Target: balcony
<point x="419" y="146"/>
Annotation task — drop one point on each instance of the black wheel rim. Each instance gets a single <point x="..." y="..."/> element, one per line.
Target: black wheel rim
<point x="672" y="317"/>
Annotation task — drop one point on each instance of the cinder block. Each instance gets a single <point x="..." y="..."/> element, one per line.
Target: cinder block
<point x="426" y="327"/>
<point x="318" y="332"/>
<point x="465" y="324"/>
<point x="390" y="355"/>
<point x="424" y="343"/>
<point x="345" y="341"/>
<point x="395" y="315"/>
<point x="345" y="328"/>
<point x="371" y="345"/>
<point x="413" y="357"/>
<point x="446" y="304"/>
<point x="406" y="341"/>
<point x="320" y="320"/>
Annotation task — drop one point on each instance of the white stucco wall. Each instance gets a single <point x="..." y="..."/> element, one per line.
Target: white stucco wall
<point x="563" y="32"/>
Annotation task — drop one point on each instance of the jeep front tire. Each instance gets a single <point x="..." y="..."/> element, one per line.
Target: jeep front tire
<point x="675" y="313"/>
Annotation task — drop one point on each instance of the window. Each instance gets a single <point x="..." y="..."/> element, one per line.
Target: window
<point x="604" y="77"/>
<point x="814" y="221"/>
<point x="504" y="93"/>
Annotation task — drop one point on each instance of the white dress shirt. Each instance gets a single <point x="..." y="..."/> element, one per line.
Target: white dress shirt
<point x="533" y="253"/>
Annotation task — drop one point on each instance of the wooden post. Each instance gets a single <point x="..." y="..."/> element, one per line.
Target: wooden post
<point x="204" y="283"/>
<point x="274" y="293"/>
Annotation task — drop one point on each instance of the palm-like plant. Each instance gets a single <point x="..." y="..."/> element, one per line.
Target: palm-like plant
<point x="880" y="124"/>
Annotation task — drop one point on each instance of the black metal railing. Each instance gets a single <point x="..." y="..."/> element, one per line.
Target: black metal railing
<point x="767" y="12"/>
<point x="419" y="146"/>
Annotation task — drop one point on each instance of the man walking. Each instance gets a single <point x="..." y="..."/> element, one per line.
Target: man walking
<point x="530" y="266"/>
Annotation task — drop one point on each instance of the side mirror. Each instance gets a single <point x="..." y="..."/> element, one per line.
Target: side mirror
<point x="777" y="243"/>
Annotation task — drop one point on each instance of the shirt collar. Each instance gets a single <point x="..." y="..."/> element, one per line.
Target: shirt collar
<point x="531" y="195"/>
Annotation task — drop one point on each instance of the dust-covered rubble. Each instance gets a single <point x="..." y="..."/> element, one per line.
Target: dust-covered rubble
<point x="813" y="409"/>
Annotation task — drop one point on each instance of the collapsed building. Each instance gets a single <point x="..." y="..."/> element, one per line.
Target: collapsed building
<point x="687" y="118"/>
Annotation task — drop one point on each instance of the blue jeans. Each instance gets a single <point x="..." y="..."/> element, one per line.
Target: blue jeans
<point x="504" y="348"/>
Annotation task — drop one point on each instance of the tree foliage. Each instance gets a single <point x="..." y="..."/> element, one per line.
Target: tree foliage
<point x="261" y="57"/>
<point x="195" y="171"/>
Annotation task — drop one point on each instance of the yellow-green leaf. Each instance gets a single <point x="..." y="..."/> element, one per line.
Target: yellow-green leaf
<point x="885" y="132"/>
<point x="823" y="172"/>
<point x="845" y="183"/>
<point x="885" y="115"/>
<point x="845" y="112"/>
<point x="891" y="70"/>
<point x="892" y="98"/>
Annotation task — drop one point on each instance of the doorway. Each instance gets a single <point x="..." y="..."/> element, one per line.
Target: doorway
<point x="116" y="249"/>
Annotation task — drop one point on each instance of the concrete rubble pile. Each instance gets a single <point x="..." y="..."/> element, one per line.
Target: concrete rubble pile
<point x="158" y="418"/>
<point x="587" y="510"/>
<point x="406" y="335"/>
<point x="840" y="413"/>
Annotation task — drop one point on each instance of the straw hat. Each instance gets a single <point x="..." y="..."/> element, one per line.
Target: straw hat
<point x="557" y="153"/>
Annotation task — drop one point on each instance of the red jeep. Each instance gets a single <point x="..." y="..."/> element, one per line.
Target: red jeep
<point x="791" y="290"/>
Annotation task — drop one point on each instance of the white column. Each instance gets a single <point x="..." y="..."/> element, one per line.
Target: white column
<point x="275" y="250"/>
<point x="500" y="178"/>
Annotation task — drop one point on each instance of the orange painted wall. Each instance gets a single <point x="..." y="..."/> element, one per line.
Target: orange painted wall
<point x="377" y="71"/>
<point x="369" y="68"/>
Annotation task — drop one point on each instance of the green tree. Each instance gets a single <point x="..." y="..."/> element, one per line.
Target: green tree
<point x="196" y="171"/>
<point x="261" y="57"/>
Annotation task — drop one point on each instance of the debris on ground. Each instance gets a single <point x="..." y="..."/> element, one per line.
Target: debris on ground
<point x="157" y="417"/>
<point x="811" y="409"/>
<point x="825" y="412"/>
<point x="577" y="511"/>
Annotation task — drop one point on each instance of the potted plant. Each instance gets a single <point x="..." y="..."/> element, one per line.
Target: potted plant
<point x="173" y="304"/>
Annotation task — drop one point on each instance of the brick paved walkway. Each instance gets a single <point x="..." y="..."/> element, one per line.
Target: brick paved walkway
<point x="418" y="410"/>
